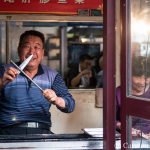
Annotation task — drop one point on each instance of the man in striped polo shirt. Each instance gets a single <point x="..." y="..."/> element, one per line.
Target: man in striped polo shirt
<point x="24" y="108"/>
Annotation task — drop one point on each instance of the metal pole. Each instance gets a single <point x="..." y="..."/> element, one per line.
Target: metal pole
<point x="7" y="43"/>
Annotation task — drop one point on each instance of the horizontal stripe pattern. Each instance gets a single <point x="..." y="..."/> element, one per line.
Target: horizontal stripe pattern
<point x="21" y="100"/>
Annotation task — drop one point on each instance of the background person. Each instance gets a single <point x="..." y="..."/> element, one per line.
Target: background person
<point x="99" y="75"/>
<point x="82" y="75"/>
<point x="24" y="109"/>
<point x="140" y="88"/>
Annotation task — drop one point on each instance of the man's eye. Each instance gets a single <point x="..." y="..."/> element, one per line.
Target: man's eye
<point x="37" y="47"/>
<point x="26" y="46"/>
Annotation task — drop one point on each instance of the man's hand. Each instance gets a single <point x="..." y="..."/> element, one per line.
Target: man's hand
<point x="118" y="125"/>
<point x="87" y="73"/>
<point x="50" y="95"/>
<point x="9" y="75"/>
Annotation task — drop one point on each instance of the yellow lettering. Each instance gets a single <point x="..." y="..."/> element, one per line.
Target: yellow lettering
<point x="44" y="1"/>
<point x="79" y="1"/>
<point x="62" y="1"/>
<point x="9" y="1"/>
<point x="25" y="1"/>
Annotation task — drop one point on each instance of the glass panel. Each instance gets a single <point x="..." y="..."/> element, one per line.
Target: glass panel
<point x="138" y="130"/>
<point x="140" y="77"/>
<point x="139" y="55"/>
<point x="2" y="42"/>
<point x="140" y="133"/>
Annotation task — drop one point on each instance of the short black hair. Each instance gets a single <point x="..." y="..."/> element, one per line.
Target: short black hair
<point x="138" y="66"/>
<point x="24" y="35"/>
<point x="85" y="57"/>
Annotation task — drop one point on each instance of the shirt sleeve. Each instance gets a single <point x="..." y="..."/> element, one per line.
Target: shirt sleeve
<point x="2" y="70"/>
<point x="62" y="91"/>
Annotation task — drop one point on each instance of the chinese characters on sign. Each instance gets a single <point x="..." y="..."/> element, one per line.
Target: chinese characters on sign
<point x="10" y="1"/>
<point x="79" y="1"/>
<point x="67" y="7"/>
<point x="45" y="1"/>
<point x="62" y="1"/>
<point x="13" y="1"/>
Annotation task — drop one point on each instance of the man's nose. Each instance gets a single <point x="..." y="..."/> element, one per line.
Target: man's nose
<point x="32" y="50"/>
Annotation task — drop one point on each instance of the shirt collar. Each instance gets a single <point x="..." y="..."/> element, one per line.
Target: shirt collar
<point x="40" y="70"/>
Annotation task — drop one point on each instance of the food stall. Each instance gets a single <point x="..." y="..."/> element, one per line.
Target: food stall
<point x="17" y="16"/>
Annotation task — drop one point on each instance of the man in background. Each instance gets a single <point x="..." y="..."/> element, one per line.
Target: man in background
<point x="100" y="74"/>
<point x="82" y="75"/>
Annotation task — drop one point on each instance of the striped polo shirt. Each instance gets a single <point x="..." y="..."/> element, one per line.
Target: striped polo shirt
<point x="22" y="101"/>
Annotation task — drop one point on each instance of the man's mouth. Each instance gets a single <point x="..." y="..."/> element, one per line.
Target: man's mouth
<point x="140" y="86"/>
<point x="33" y="58"/>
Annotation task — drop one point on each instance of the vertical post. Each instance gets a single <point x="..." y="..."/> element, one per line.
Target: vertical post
<point x="109" y="75"/>
<point x="7" y="43"/>
<point x="64" y="53"/>
<point x="124" y="36"/>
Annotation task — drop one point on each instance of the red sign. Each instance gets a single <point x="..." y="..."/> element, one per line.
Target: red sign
<point x="67" y="7"/>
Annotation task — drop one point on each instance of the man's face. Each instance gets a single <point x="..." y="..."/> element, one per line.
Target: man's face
<point x="86" y="64"/>
<point x="139" y="83"/>
<point x="32" y="45"/>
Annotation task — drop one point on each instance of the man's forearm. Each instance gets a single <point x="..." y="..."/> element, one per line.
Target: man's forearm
<point x="60" y="102"/>
<point x="75" y="81"/>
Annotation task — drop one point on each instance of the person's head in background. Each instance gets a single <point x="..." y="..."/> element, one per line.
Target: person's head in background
<point x="101" y="62"/>
<point x="140" y="76"/>
<point x="85" y="61"/>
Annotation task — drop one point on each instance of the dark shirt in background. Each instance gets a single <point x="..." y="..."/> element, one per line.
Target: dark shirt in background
<point x="74" y="71"/>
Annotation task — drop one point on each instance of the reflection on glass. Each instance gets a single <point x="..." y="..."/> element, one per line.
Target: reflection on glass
<point x="140" y="50"/>
<point x="140" y="132"/>
<point x="2" y="42"/>
<point x="140" y="77"/>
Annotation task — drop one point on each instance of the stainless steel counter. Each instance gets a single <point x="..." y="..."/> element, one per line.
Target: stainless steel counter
<point x="46" y="142"/>
<point x="64" y="142"/>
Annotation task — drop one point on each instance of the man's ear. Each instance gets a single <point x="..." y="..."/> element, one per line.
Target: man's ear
<point x="43" y="53"/>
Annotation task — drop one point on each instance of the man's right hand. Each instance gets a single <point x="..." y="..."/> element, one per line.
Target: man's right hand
<point x="9" y="75"/>
<point x="87" y="73"/>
